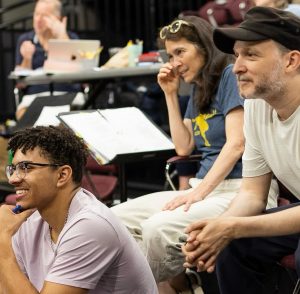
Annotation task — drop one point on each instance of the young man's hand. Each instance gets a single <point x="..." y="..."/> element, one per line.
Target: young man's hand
<point x="11" y="222"/>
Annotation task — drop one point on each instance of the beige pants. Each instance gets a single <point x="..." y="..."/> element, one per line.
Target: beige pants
<point x="158" y="232"/>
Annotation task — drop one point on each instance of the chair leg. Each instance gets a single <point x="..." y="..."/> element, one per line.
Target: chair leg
<point x="297" y="287"/>
<point x="168" y="176"/>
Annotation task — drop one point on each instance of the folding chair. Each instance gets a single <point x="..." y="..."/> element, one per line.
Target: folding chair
<point x="171" y="174"/>
<point x="288" y="262"/>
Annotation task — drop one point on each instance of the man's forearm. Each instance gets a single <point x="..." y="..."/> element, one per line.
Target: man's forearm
<point x="26" y="63"/>
<point x="245" y="206"/>
<point x="252" y="198"/>
<point x="285" y="222"/>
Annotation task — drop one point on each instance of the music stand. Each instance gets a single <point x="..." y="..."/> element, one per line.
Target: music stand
<point x="35" y="108"/>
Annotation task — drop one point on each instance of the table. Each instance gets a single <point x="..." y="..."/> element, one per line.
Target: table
<point x="97" y="77"/>
<point x="95" y="74"/>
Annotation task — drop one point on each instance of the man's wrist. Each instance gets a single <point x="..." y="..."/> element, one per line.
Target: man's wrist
<point x="26" y="63"/>
<point x="61" y="34"/>
<point x="237" y="227"/>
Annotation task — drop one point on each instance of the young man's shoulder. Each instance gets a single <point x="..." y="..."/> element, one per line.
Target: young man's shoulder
<point x="87" y="212"/>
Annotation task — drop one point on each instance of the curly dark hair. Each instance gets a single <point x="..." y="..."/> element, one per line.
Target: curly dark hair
<point x="58" y="144"/>
<point x="200" y="33"/>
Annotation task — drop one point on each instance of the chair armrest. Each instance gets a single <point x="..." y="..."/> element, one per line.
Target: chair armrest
<point x="178" y="159"/>
<point x="93" y="166"/>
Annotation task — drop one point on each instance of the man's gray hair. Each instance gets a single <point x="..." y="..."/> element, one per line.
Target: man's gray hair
<point x="58" y="8"/>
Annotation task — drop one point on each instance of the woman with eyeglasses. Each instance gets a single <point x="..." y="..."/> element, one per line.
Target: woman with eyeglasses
<point x="213" y="125"/>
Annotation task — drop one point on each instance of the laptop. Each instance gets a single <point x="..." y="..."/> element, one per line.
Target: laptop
<point x="72" y="55"/>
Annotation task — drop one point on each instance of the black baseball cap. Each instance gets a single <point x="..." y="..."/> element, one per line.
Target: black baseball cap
<point x="261" y="23"/>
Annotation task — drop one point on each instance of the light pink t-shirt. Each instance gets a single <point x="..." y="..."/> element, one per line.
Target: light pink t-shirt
<point x="94" y="251"/>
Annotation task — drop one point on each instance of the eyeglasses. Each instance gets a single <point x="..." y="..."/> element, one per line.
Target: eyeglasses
<point x="22" y="167"/>
<point x="173" y="28"/>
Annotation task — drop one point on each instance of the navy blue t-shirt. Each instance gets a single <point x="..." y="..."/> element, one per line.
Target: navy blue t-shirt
<point x="209" y="128"/>
<point x="38" y="60"/>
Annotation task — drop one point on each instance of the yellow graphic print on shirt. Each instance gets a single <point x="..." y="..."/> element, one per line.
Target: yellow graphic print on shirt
<point x="202" y="125"/>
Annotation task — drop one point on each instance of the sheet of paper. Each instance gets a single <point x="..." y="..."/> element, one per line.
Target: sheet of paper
<point x="117" y="131"/>
<point x="134" y="128"/>
<point x="96" y="132"/>
<point x="49" y="114"/>
<point x="23" y="72"/>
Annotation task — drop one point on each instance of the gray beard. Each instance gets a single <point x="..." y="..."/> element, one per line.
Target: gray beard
<point x="270" y="86"/>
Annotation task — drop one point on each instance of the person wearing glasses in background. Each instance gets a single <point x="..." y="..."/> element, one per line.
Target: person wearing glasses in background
<point x="31" y="50"/>
<point x="213" y="124"/>
<point x="63" y="240"/>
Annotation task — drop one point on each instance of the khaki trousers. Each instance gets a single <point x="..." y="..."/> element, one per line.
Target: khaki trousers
<point x="158" y="232"/>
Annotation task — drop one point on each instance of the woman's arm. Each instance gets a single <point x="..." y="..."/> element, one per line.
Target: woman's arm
<point x="231" y="152"/>
<point x="226" y="160"/>
<point x="181" y="130"/>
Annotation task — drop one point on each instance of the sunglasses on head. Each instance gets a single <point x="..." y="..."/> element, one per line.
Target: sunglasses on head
<point x="173" y="28"/>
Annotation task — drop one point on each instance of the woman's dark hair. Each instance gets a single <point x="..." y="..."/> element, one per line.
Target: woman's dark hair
<point x="200" y="33"/>
<point x="58" y="144"/>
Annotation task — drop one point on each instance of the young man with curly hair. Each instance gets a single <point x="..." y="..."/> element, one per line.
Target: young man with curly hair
<point x="64" y="240"/>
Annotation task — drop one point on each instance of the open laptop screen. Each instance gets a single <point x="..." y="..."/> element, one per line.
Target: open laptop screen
<point x="72" y="55"/>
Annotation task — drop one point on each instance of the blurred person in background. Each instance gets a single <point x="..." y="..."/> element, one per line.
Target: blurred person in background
<point x="31" y="51"/>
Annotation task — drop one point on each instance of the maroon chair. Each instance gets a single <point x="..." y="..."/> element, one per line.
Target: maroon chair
<point x="288" y="262"/>
<point x="171" y="174"/>
<point x="289" y="265"/>
<point x="101" y="180"/>
<point x="221" y="13"/>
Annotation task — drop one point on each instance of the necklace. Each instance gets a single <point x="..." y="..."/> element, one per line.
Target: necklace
<point x="75" y="190"/>
<point x="50" y="233"/>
